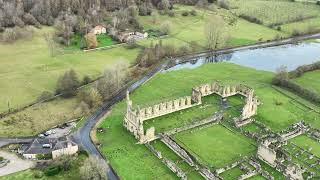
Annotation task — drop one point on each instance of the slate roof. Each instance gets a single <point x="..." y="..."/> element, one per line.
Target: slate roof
<point x="36" y="147"/>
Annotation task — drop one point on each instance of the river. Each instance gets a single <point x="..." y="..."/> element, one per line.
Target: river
<point x="267" y="59"/>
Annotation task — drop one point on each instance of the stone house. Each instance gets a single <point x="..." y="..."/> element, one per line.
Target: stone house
<point x="48" y="147"/>
<point x="99" y="29"/>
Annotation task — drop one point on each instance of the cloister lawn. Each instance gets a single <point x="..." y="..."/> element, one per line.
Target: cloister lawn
<point x="210" y="104"/>
<point x="310" y="80"/>
<point x="131" y="160"/>
<point x="216" y="146"/>
<point x="27" y="69"/>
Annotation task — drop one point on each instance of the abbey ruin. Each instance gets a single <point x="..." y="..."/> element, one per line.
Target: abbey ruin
<point x="268" y="150"/>
<point x="134" y="118"/>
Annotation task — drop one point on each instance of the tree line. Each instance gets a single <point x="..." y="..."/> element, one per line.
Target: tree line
<point x="283" y="77"/>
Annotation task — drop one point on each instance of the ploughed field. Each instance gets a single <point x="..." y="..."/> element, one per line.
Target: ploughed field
<point x="278" y="110"/>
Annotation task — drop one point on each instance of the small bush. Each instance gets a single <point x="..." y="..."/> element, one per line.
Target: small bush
<point x="13" y="34"/>
<point x="185" y="13"/>
<point x="193" y="12"/>
<point x="45" y="95"/>
<point x="1" y="158"/>
<point x="165" y="27"/>
<point x="86" y="79"/>
<point x="38" y="174"/>
<point x="52" y="170"/>
<point x="171" y="13"/>
<point x="223" y="4"/>
<point x="296" y="32"/>
<point x="251" y="19"/>
<point x="279" y="28"/>
<point x="318" y="2"/>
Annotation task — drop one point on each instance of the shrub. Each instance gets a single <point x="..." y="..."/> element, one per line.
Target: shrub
<point x="145" y="11"/>
<point x="165" y="27"/>
<point x="86" y="80"/>
<point x="193" y="12"/>
<point x="45" y="95"/>
<point x="171" y="13"/>
<point x="318" y="2"/>
<point x="52" y="170"/>
<point x="296" y="32"/>
<point x="185" y="13"/>
<point x="279" y="28"/>
<point x="38" y="174"/>
<point x="1" y="158"/>
<point x="223" y="4"/>
<point x="251" y="19"/>
<point x="184" y="49"/>
<point x="12" y="34"/>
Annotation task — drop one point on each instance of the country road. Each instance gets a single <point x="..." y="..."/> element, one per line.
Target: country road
<point x="82" y="135"/>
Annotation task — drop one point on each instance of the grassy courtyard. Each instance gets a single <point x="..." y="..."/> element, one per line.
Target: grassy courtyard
<point x="216" y="146"/>
<point x="210" y="104"/>
<point x="310" y="80"/>
<point x="130" y="159"/>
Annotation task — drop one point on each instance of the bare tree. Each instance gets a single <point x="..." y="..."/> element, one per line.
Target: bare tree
<point x="53" y="48"/>
<point x="215" y="32"/>
<point x="94" y="169"/>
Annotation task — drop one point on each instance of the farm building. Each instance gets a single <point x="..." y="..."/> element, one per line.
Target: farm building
<point x="99" y="29"/>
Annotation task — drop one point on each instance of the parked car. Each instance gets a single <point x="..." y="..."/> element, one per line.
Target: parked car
<point x="46" y="146"/>
<point x="41" y="136"/>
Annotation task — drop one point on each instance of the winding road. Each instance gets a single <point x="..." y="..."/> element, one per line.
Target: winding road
<point x="82" y="135"/>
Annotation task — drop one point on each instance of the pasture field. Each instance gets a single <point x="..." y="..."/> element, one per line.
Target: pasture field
<point x="131" y="160"/>
<point x="216" y="146"/>
<point x="191" y="28"/>
<point x="38" y="118"/>
<point x="27" y="68"/>
<point x="273" y="13"/>
<point x="310" y="80"/>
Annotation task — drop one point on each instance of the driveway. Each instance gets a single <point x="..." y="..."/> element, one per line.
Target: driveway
<point x="16" y="164"/>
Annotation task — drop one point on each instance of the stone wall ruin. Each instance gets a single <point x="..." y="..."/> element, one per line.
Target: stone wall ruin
<point x="134" y="118"/>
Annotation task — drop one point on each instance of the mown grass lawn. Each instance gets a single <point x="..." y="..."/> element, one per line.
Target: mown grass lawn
<point x="231" y="174"/>
<point x="310" y="80"/>
<point x="209" y="106"/>
<point x="78" y="41"/>
<point x="216" y="146"/>
<point x="27" y="69"/>
<point x="130" y="159"/>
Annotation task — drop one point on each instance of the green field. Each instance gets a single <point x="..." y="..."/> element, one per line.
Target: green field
<point x="191" y="28"/>
<point x="131" y="160"/>
<point x="216" y="146"/>
<point x="38" y="118"/>
<point x="27" y="69"/>
<point x="310" y="80"/>
<point x="275" y="12"/>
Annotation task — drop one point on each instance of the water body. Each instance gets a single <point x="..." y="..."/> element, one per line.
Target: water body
<point x="267" y="59"/>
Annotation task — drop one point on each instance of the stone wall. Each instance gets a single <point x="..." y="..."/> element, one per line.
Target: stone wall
<point x="267" y="154"/>
<point x="134" y="118"/>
